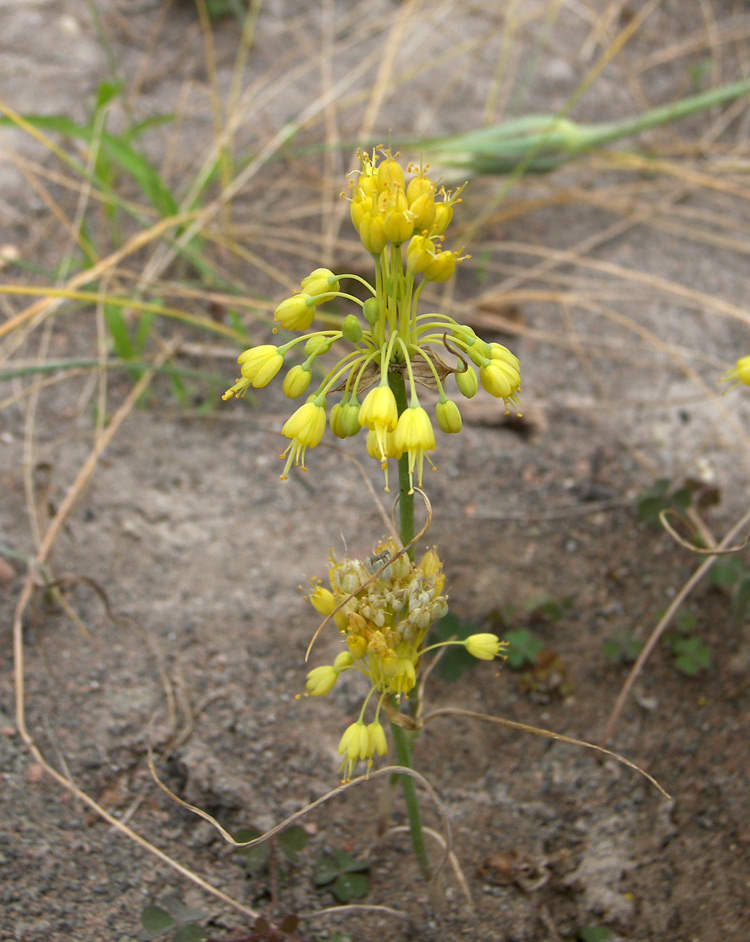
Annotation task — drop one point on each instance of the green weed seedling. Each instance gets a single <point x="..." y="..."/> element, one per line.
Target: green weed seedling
<point x="730" y="573"/>
<point x="622" y="648"/>
<point x="664" y="496"/>
<point x="291" y="842"/>
<point x="345" y="877"/>
<point x="173" y="915"/>
<point x="523" y="648"/>
<point x="594" y="934"/>
<point x="691" y="654"/>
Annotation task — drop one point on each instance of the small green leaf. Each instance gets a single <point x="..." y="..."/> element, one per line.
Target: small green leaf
<point x="594" y="934"/>
<point x="190" y="933"/>
<point x="328" y="868"/>
<point x="741" y="597"/>
<point x="253" y="857"/>
<point x="118" y="329"/>
<point x="523" y="647"/>
<point x="623" y="648"/>
<point x="156" y="921"/>
<point x="692" y="655"/>
<point x="292" y="841"/>
<point x="726" y="571"/>
<point x="106" y="92"/>
<point x="686" y="621"/>
<point x="351" y="886"/>
<point x="143" y="330"/>
<point x="180" y="911"/>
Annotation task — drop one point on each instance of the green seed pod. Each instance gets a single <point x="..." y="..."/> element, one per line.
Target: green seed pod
<point x="351" y="328"/>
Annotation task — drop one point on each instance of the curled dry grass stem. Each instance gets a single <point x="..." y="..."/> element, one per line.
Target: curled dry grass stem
<point x="445" y="838"/>
<point x="538" y="731"/>
<point x="666" y="620"/>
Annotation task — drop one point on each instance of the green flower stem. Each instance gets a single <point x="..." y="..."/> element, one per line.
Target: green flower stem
<point x="406" y="500"/>
<point x="401" y="737"/>
<point x="402" y="741"/>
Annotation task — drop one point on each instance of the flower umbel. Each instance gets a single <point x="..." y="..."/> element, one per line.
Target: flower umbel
<point x="383" y="619"/>
<point x="402" y="224"/>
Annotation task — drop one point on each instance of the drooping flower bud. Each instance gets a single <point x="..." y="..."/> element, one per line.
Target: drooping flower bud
<point x="296" y="381"/>
<point x="296" y="313"/>
<point x="467" y="382"/>
<point x="320" y="282"/>
<point x="448" y="416"/>
<point x="351" y="329"/>
<point x="260" y="364"/>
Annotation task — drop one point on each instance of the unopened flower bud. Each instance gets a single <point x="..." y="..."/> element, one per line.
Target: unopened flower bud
<point x="371" y="311"/>
<point x="351" y="329"/>
<point x="484" y="646"/>
<point x="320" y="282"/>
<point x="448" y="416"/>
<point x="296" y="313"/>
<point x="467" y="382"/>
<point x="317" y="345"/>
<point x="390" y="171"/>
<point x="296" y="381"/>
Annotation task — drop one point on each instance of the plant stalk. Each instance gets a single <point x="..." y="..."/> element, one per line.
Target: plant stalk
<point x="401" y="737"/>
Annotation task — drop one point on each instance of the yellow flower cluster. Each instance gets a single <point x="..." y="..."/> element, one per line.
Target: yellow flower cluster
<point x="384" y="607"/>
<point x="403" y="226"/>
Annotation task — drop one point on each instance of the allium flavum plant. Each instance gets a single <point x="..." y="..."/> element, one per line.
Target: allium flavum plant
<point x="384" y="605"/>
<point x="390" y="340"/>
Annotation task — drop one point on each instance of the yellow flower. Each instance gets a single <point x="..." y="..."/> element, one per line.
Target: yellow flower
<point x="499" y="352"/>
<point x="305" y="427"/>
<point x="442" y="266"/>
<point x="354" y="745"/>
<point x="448" y="416"/>
<point x="296" y="381"/>
<point x="501" y="380"/>
<point x="379" y="412"/>
<point x="740" y="373"/>
<point x="419" y="254"/>
<point x="399" y="220"/>
<point x="320" y="282"/>
<point x="484" y="646"/>
<point x="372" y="231"/>
<point x="322" y="600"/>
<point x="296" y="313"/>
<point x="390" y="171"/>
<point x="414" y="435"/>
<point x="261" y="364"/>
<point x="443" y="216"/>
<point x="378" y="744"/>
<point x="321" y="681"/>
